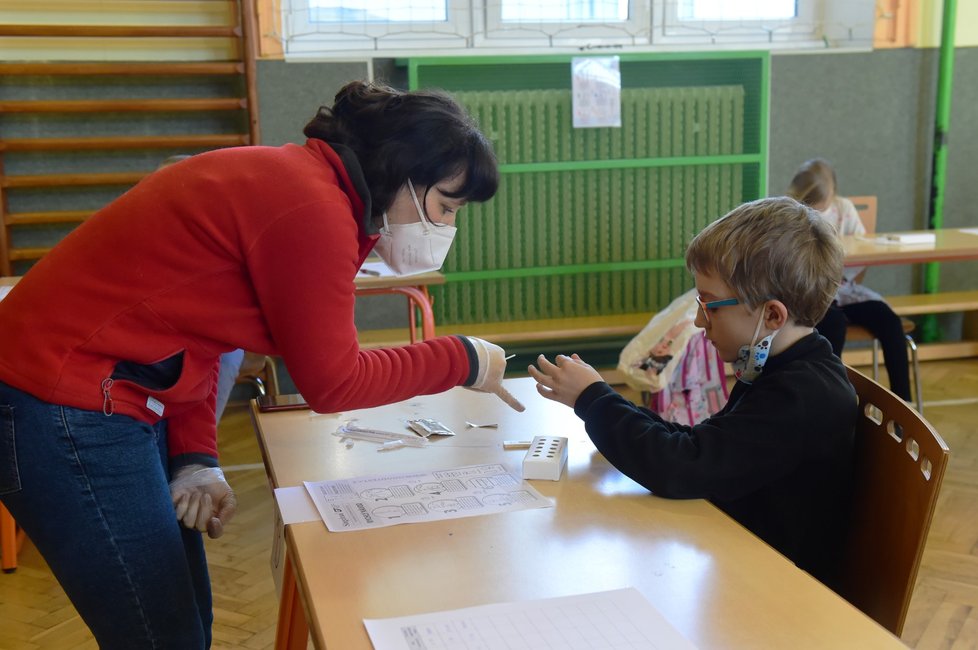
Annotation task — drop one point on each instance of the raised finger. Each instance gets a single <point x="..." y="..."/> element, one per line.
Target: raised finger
<point x="545" y="364"/>
<point x="538" y="375"/>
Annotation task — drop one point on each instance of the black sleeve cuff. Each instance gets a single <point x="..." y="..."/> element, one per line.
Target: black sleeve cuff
<point x="589" y="395"/>
<point x="191" y="459"/>
<point x="473" y="360"/>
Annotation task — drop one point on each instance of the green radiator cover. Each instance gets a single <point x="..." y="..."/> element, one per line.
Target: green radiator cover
<point x="595" y="221"/>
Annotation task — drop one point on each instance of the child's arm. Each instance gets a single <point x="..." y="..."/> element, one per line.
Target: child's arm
<point x="565" y="379"/>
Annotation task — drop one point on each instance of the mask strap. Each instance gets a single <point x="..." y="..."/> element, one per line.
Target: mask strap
<point x="757" y="330"/>
<point x="387" y="226"/>
<point x="417" y="204"/>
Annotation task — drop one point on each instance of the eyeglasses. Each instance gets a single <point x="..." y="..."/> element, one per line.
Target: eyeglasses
<point x="705" y="307"/>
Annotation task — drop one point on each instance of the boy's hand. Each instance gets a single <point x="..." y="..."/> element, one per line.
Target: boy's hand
<point x="564" y="380"/>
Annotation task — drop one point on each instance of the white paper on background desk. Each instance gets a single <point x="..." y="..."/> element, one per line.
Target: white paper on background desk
<point x="376" y="267"/>
<point x="622" y="619"/>
<point x="4" y="290"/>
<point x="905" y="239"/>
<point x="389" y="499"/>
<point x="970" y="231"/>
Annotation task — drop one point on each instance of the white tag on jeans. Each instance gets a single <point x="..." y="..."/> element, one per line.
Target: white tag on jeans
<point x="154" y="405"/>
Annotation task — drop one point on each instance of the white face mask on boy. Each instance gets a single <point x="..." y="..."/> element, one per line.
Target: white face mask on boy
<point x="751" y="358"/>
<point x="418" y="247"/>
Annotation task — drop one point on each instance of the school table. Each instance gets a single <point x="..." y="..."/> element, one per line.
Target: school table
<point x="712" y="579"/>
<point x="950" y="244"/>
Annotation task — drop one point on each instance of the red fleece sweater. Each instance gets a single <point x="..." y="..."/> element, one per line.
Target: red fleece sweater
<point x="250" y="247"/>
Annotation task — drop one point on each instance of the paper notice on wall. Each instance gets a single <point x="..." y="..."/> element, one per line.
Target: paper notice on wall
<point x="596" y="91"/>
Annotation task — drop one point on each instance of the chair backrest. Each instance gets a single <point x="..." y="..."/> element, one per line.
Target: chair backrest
<point x="899" y="465"/>
<point x="866" y="207"/>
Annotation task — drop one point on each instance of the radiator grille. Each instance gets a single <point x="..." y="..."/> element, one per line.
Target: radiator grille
<point x="639" y="200"/>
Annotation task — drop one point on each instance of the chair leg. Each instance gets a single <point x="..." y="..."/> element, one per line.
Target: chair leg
<point x="271" y="376"/>
<point x="259" y="386"/>
<point x="876" y="360"/>
<point x="916" y="373"/>
<point x="8" y="541"/>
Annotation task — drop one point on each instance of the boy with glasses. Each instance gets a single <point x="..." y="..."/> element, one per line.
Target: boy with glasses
<point x="778" y="457"/>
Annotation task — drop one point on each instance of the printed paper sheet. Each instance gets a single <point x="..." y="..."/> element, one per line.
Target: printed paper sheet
<point x="622" y="619"/>
<point x="386" y="500"/>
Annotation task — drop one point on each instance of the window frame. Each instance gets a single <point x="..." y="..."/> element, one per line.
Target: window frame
<point x="475" y="27"/>
<point x="491" y="31"/>
<point x="303" y="35"/>
<point x="669" y="29"/>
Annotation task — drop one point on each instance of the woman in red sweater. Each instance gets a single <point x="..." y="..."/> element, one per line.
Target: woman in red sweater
<point x="109" y="346"/>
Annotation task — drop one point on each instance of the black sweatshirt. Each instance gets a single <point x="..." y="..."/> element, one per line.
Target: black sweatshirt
<point x="777" y="458"/>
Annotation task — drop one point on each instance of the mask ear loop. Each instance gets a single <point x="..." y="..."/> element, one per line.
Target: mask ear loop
<point x="417" y="204"/>
<point x="757" y="330"/>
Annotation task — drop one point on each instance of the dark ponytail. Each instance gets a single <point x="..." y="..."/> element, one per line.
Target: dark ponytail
<point x="423" y="135"/>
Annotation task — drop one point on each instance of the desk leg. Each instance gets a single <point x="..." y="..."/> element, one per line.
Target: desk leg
<point x="293" y="631"/>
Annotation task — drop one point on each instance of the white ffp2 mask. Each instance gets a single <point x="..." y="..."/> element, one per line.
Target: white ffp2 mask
<point x="418" y="247"/>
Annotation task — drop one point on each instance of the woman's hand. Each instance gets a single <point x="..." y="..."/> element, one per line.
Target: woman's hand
<point x="202" y="499"/>
<point x="563" y="380"/>
<point x="492" y="368"/>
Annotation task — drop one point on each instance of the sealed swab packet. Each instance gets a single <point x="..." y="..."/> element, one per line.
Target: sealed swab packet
<point x="350" y="431"/>
<point x="425" y="427"/>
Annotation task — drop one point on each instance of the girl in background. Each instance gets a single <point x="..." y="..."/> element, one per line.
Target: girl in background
<point x="814" y="184"/>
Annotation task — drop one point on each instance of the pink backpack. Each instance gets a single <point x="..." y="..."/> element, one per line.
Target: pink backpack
<point x="697" y="388"/>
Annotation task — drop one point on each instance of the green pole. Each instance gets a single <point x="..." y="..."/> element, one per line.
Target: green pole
<point x="942" y="119"/>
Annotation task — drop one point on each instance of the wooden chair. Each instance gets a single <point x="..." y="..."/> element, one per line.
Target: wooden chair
<point x="899" y="465"/>
<point x="866" y="207"/>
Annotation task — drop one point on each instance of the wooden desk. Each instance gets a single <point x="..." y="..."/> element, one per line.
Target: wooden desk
<point x="951" y="244"/>
<point x="717" y="583"/>
<point x="415" y="288"/>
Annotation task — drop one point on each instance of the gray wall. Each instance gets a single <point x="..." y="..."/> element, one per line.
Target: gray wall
<point x="872" y="116"/>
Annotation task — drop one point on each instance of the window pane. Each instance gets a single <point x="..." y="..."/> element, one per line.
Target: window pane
<point x="736" y="9"/>
<point x="553" y="11"/>
<point x="377" y="11"/>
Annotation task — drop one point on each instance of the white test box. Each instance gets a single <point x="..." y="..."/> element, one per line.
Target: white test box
<point x="545" y="459"/>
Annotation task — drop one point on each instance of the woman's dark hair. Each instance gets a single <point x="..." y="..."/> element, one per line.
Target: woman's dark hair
<point x="422" y="135"/>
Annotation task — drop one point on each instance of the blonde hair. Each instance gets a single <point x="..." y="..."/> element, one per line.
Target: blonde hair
<point x="814" y="182"/>
<point x="773" y="249"/>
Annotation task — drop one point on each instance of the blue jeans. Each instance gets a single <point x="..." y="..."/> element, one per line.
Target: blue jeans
<point x="91" y="492"/>
<point x="230" y="366"/>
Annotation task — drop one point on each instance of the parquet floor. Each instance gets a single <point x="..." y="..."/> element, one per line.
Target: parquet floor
<point x="34" y="613"/>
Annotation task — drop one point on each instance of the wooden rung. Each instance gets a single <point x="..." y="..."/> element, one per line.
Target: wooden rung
<point x="61" y="180"/>
<point x="124" y="142"/>
<point x="113" y="31"/>
<point x="21" y="254"/>
<point x="54" y="216"/>
<point x="110" y="105"/>
<point x="123" y="68"/>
